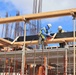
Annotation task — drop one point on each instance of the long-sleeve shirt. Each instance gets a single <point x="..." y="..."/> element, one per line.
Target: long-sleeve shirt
<point x="44" y="32"/>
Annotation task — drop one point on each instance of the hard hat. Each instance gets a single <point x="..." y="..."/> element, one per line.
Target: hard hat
<point x="49" y="25"/>
<point x="59" y="27"/>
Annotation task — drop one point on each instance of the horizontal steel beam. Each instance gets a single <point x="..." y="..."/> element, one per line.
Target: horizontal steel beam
<point x="59" y="40"/>
<point x="38" y="16"/>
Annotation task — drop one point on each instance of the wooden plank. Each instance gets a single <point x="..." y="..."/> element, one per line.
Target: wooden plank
<point x="1" y="44"/>
<point x="33" y="42"/>
<point x="38" y="16"/>
<point x="58" y="40"/>
<point x="5" y="42"/>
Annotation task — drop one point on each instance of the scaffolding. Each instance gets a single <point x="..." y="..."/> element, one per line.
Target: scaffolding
<point x="22" y="57"/>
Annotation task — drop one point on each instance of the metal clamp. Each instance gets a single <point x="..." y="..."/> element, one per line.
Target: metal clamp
<point x="24" y="20"/>
<point x="73" y="15"/>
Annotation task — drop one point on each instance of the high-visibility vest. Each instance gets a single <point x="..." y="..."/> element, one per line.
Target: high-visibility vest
<point x="61" y="31"/>
<point x="40" y="33"/>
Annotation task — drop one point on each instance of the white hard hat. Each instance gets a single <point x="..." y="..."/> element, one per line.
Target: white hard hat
<point x="59" y="27"/>
<point x="49" y="25"/>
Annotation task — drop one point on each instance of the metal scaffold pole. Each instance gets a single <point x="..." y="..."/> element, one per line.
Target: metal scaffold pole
<point x="57" y="61"/>
<point x="45" y="65"/>
<point x="74" y="20"/>
<point x="23" y="50"/>
<point x="34" y="62"/>
<point x="66" y="58"/>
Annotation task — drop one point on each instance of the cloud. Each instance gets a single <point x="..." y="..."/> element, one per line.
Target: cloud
<point x="53" y="5"/>
<point x="6" y="7"/>
<point x="26" y="6"/>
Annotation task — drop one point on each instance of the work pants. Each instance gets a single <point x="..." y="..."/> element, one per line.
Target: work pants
<point x="41" y="42"/>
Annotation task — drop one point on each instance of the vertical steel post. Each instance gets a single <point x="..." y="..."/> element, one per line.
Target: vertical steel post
<point x="46" y="68"/>
<point x="45" y="64"/>
<point x="23" y="50"/>
<point x="66" y="61"/>
<point x="74" y="24"/>
<point x="57" y="61"/>
<point x="74" y="46"/>
<point x="9" y="67"/>
<point x="34" y="62"/>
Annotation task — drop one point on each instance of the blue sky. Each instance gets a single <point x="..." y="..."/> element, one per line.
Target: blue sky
<point x="25" y="7"/>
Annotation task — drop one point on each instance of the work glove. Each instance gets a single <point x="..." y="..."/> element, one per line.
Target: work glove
<point x="49" y="35"/>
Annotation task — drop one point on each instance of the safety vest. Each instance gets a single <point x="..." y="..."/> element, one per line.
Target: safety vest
<point x="40" y="33"/>
<point x="62" y="31"/>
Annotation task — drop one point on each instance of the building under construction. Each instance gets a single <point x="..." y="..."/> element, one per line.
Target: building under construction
<point x="17" y="58"/>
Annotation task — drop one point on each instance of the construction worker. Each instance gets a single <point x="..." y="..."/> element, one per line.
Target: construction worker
<point x="43" y="34"/>
<point x="60" y="30"/>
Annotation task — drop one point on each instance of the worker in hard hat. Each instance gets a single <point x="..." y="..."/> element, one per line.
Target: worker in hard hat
<point x="60" y="30"/>
<point x="44" y="33"/>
